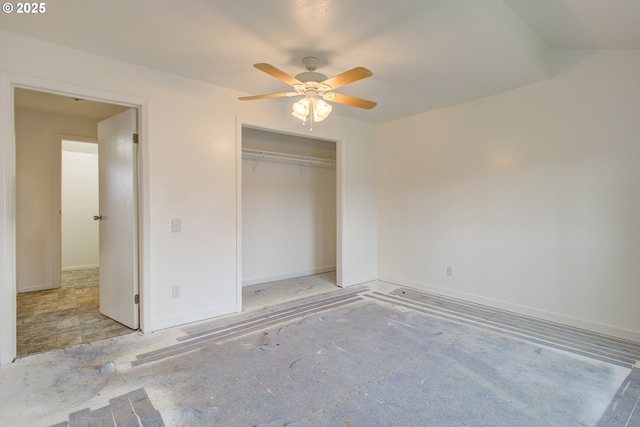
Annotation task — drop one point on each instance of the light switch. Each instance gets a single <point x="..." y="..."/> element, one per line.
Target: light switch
<point x="176" y="225"/>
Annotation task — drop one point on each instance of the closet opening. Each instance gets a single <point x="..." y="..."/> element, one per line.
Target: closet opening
<point x="289" y="217"/>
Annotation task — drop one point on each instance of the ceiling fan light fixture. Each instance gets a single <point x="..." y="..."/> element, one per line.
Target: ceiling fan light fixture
<point x="301" y="109"/>
<point x="315" y="109"/>
<point x="315" y="88"/>
<point x="321" y="111"/>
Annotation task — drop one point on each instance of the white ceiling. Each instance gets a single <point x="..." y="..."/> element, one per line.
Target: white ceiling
<point x="424" y="54"/>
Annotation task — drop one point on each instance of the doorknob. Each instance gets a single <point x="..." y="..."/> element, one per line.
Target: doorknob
<point x="97" y="217"/>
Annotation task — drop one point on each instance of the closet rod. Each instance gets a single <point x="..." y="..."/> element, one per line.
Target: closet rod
<point x="261" y="154"/>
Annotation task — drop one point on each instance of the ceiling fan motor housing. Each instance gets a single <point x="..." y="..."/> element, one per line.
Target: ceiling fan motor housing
<point x="311" y="76"/>
<point x="311" y="63"/>
<point x="311" y="80"/>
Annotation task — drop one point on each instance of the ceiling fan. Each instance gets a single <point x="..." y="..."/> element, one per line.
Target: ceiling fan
<point x="315" y="88"/>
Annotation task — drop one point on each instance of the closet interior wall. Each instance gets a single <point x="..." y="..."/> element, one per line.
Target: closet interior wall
<point x="288" y="206"/>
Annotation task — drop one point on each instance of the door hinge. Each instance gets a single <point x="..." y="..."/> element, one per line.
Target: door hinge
<point x="136" y="299"/>
<point x="135" y="138"/>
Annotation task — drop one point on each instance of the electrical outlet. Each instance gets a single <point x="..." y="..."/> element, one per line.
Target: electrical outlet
<point x="449" y="271"/>
<point x="175" y="292"/>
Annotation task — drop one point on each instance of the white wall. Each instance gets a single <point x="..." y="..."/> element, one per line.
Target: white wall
<point x="37" y="210"/>
<point x="80" y="202"/>
<point x="288" y="210"/>
<point x="531" y="196"/>
<point x="189" y="149"/>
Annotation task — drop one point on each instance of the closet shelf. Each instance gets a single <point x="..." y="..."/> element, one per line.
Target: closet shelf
<point x="302" y="160"/>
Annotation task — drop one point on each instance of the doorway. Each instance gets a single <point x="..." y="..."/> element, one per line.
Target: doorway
<point x="80" y="234"/>
<point x="58" y="286"/>
<point x="289" y="217"/>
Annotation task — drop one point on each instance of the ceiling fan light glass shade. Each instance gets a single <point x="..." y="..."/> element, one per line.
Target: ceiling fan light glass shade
<point x="321" y="111"/>
<point x="316" y="109"/>
<point x="299" y="117"/>
<point x="301" y="109"/>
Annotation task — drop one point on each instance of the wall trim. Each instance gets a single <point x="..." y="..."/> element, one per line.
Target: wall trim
<point x="521" y="309"/>
<point x="291" y="275"/>
<point x="8" y="287"/>
<point x="80" y="267"/>
<point x="40" y="287"/>
<point x="171" y="322"/>
<point x="57" y="197"/>
<point x="238" y="215"/>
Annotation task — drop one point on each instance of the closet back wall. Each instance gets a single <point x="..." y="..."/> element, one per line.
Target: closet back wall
<point x="288" y="209"/>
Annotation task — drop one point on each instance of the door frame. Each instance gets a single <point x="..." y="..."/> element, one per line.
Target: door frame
<point x="57" y="197"/>
<point x="8" y="285"/>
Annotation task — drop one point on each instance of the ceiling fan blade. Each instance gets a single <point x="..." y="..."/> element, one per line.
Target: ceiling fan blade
<point x="352" y="101"/>
<point x="271" y="95"/>
<point x="347" y="77"/>
<point x="278" y="74"/>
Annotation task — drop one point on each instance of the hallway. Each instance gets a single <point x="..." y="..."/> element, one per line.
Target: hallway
<point x="60" y="318"/>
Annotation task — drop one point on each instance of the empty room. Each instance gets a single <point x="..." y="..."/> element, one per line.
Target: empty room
<point x="321" y="213"/>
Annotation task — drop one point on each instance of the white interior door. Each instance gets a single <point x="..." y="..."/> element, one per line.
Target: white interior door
<point x="117" y="158"/>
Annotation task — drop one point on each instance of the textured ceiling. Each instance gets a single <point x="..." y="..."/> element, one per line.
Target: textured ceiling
<point x="424" y="54"/>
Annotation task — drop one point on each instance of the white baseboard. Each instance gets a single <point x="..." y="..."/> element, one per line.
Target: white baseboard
<point x="171" y="322"/>
<point x="285" y="276"/>
<point x="521" y="309"/>
<point x="40" y="287"/>
<point x="80" y="267"/>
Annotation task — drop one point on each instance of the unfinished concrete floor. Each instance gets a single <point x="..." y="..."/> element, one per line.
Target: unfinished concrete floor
<point x="374" y="354"/>
<point x="265" y="295"/>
